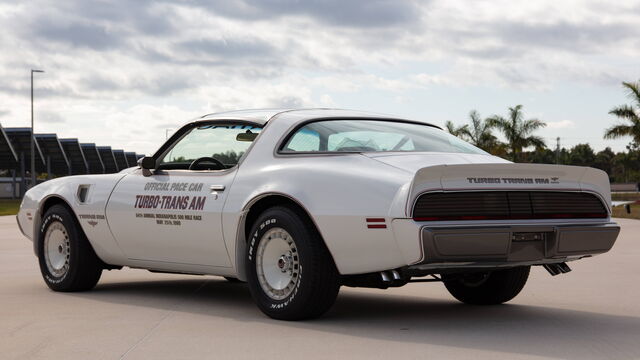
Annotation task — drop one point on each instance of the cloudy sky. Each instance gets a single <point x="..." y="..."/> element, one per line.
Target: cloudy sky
<point x="121" y="73"/>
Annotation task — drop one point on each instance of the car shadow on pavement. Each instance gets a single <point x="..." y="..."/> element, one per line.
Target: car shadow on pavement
<point x="511" y="328"/>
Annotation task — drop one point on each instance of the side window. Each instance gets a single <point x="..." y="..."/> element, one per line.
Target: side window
<point x="304" y="140"/>
<point x="368" y="140"/>
<point x="224" y="143"/>
<point x="407" y="146"/>
<point x="364" y="135"/>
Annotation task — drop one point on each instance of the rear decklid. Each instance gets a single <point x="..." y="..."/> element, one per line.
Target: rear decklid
<point x="508" y="176"/>
<point x="413" y="162"/>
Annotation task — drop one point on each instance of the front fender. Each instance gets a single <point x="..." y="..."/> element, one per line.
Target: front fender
<point x="90" y="213"/>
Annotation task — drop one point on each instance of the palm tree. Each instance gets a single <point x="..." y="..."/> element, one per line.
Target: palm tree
<point x="630" y="116"/>
<point x="479" y="134"/>
<point x="455" y="131"/>
<point x="518" y="131"/>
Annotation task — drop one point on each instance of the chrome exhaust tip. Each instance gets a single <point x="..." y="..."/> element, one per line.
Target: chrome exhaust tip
<point x="396" y="275"/>
<point x="385" y="276"/>
<point x="557" y="268"/>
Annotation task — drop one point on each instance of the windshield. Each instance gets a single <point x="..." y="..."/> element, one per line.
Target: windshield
<point x="224" y="143"/>
<point x="374" y="135"/>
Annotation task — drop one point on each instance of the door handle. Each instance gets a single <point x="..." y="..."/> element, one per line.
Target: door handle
<point x="215" y="189"/>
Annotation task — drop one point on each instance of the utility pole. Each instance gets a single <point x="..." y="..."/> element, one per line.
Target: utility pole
<point x="558" y="150"/>
<point x="33" y="135"/>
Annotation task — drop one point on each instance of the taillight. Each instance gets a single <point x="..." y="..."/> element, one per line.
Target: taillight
<point x="507" y="205"/>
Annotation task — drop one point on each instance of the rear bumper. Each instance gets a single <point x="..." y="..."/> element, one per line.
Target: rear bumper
<point x="512" y="245"/>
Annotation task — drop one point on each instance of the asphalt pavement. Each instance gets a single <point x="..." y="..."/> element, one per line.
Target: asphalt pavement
<point x="591" y="313"/>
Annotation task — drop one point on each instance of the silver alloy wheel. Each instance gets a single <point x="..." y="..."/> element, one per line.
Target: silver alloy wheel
<point x="56" y="249"/>
<point x="277" y="263"/>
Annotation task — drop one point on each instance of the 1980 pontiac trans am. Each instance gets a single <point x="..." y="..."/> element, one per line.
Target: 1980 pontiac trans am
<point x="300" y="202"/>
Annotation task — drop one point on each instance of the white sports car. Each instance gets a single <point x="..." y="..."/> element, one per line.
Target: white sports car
<point x="300" y="202"/>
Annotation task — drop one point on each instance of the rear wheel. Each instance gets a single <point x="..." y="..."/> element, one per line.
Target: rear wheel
<point x="67" y="260"/>
<point x="290" y="272"/>
<point x="487" y="288"/>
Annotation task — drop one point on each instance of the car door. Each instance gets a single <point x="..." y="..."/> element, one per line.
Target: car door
<point x="174" y="214"/>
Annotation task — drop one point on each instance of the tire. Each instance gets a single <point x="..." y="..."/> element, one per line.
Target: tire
<point x="290" y="247"/>
<point x="67" y="260"/>
<point x="490" y="288"/>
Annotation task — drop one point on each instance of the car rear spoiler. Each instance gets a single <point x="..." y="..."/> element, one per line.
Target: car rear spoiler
<point x="509" y="176"/>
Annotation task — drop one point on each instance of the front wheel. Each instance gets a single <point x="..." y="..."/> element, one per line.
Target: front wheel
<point x="487" y="288"/>
<point x="67" y="260"/>
<point x="290" y="272"/>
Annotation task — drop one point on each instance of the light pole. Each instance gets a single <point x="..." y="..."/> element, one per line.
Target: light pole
<point x="33" y="135"/>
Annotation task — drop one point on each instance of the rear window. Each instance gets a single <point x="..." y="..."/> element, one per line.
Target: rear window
<point x="373" y="136"/>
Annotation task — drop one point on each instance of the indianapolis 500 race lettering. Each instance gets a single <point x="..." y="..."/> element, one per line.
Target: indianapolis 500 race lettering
<point x="170" y="202"/>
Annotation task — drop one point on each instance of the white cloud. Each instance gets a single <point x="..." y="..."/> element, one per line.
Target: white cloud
<point x="124" y="67"/>
<point x="327" y="101"/>
<point x="562" y="124"/>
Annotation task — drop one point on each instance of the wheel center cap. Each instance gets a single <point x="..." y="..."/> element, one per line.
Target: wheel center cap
<point x="284" y="262"/>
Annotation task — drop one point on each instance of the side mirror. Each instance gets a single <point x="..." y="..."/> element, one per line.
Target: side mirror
<point x="147" y="164"/>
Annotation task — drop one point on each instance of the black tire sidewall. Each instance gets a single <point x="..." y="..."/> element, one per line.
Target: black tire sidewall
<point x="61" y="214"/>
<point x="289" y="307"/>
<point x="501" y="286"/>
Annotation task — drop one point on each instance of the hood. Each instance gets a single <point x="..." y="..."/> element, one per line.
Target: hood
<point x="412" y="162"/>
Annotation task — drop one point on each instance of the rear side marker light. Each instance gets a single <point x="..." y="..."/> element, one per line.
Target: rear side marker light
<point x="376" y="223"/>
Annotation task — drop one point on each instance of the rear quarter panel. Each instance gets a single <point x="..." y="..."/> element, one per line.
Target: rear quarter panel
<point x="340" y="193"/>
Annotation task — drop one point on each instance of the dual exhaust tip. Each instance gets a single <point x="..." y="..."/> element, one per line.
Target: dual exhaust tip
<point x="393" y="276"/>
<point x="390" y="276"/>
<point x="557" y="268"/>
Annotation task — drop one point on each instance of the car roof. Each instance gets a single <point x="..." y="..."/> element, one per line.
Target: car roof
<point x="262" y="116"/>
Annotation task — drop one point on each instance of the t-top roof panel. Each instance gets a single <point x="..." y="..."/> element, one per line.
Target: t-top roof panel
<point x="54" y="153"/>
<point x="109" y="161"/>
<point x="75" y="155"/>
<point x="93" y="158"/>
<point x="8" y="157"/>
<point x="20" y="139"/>
<point x="121" y="159"/>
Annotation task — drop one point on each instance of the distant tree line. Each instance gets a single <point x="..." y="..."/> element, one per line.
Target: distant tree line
<point x="519" y="135"/>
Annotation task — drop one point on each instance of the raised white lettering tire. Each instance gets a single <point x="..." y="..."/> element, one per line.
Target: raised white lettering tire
<point x="290" y="272"/>
<point x="67" y="260"/>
